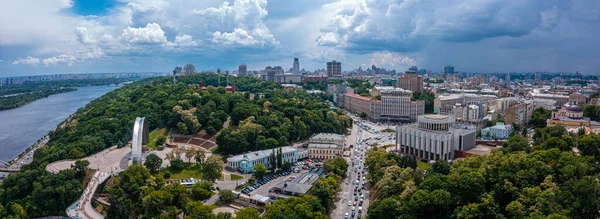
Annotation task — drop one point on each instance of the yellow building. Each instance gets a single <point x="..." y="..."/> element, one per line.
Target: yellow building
<point x="571" y="116"/>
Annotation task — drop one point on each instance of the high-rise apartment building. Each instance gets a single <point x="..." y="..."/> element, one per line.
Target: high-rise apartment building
<point x="296" y="67"/>
<point x="334" y="69"/>
<point x="507" y="80"/>
<point x="189" y="69"/>
<point x="177" y="71"/>
<point x="411" y="81"/>
<point x="243" y="70"/>
<point x="449" y="69"/>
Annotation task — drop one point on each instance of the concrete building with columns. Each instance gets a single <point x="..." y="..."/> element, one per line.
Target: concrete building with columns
<point x="434" y="137"/>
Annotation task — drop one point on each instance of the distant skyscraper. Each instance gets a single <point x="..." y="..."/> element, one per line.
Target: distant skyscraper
<point x="334" y="68"/>
<point x="411" y="81"/>
<point x="243" y="70"/>
<point x="296" y="68"/>
<point x="507" y="80"/>
<point x="177" y="70"/>
<point x="414" y="68"/>
<point x="449" y="69"/>
<point x="189" y="69"/>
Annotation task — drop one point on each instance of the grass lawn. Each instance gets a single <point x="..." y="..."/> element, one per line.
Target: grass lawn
<point x="221" y="178"/>
<point x="155" y="134"/>
<point x="235" y="177"/>
<point x="423" y="165"/>
<point x="189" y="172"/>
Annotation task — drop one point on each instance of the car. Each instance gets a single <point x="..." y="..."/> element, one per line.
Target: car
<point x="353" y="214"/>
<point x="362" y="196"/>
<point x="360" y="203"/>
<point x="353" y="208"/>
<point x="354" y="203"/>
<point x="218" y="189"/>
<point x="349" y="203"/>
<point x="355" y="198"/>
<point x="346" y="215"/>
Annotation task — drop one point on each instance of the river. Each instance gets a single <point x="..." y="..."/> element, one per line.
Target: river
<point x="22" y="127"/>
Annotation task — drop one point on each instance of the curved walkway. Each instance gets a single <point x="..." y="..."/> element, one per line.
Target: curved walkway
<point x="83" y="208"/>
<point x="109" y="161"/>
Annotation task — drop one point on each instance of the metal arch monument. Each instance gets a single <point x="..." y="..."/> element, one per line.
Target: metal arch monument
<point x="140" y="137"/>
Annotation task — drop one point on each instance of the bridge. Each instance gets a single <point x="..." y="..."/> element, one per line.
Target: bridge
<point x="9" y="170"/>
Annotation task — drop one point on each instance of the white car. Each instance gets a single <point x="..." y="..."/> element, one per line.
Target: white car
<point x="349" y="203"/>
<point x="353" y="208"/>
<point x="346" y="216"/>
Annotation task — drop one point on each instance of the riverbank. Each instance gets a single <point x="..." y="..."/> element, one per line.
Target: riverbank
<point x="13" y="102"/>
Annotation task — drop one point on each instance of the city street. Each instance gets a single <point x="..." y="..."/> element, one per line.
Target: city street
<point x="349" y="201"/>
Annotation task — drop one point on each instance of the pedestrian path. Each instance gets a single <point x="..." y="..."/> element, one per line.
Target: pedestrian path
<point x="83" y="208"/>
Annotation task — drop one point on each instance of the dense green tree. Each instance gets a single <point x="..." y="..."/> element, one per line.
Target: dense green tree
<point x="589" y="145"/>
<point x="287" y="166"/>
<point x="202" y="190"/>
<point x="247" y="213"/>
<point x="80" y="166"/>
<point x="213" y="167"/>
<point x="440" y="166"/>
<point x="161" y="140"/>
<point x="384" y="208"/>
<point x="516" y="143"/>
<point x="337" y="166"/>
<point x="199" y="210"/>
<point x="427" y="99"/>
<point x="226" y="196"/>
<point x="153" y="162"/>
<point x="178" y="164"/>
<point x="539" y="117"/>
<point x="260" y="171"/>
<point x="305" y="206"/>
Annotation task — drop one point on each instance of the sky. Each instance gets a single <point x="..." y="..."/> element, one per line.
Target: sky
<point x="83" y="36"/>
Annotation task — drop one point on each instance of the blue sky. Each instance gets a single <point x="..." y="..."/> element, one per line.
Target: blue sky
<point x="73" y="36"/>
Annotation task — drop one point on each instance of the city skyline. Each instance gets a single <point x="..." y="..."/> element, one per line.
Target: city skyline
<point x="63" y="36"/>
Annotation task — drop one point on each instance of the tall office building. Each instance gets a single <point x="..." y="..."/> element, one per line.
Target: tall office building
<point x="414" y="68"/>
<point x="189" y="69"/>
<point x="449" y="69"/>
<point x="507" y="80"/>
<point x="411" y="81"/>
<point x="334" y="68"/>
<point x="296" y="68"/>
<point x="177" y="71"/>
<point x="242" y="70"/>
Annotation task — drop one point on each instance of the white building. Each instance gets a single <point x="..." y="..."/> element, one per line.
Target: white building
<point x="499" y="131"/>
<point x="434" y="137"/>
<point x="326" y="146"/>
<point x="245" y="162"/>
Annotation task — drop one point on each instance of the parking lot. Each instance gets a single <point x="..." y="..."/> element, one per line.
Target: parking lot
<point x="263" y="187"/>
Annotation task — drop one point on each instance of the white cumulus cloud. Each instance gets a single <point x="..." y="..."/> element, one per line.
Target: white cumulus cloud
<point x="391" y="59"/>
<point x="151" y="34"/>
<point x="238" y="36"/>
<point x="185" y="40"/>
<point x="27" y="61"/>
<point x="241" y="23"/>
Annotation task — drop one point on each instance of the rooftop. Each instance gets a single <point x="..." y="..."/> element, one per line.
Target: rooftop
<point x="358" y="96"/>
<point x="259" y="154"/>
<point x="327" y="136"/>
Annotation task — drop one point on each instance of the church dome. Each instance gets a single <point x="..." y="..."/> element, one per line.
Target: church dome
<point x="574" y="108"/>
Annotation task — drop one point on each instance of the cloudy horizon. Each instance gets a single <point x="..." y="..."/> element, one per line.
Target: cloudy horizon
<point x="66" y="36"/>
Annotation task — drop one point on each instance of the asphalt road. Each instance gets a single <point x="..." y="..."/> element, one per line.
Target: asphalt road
<point x="346" y="196"/>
